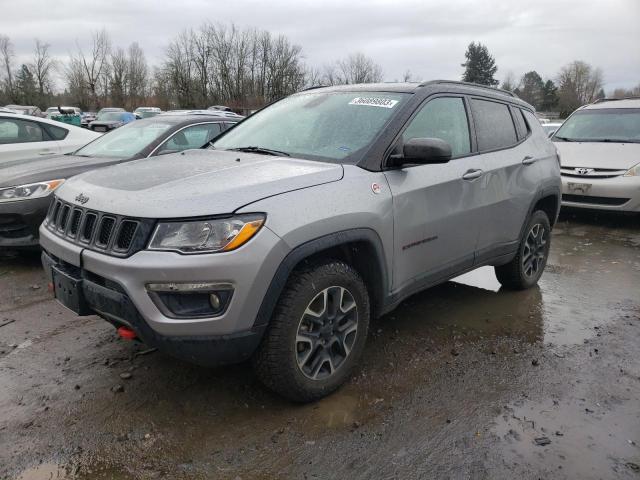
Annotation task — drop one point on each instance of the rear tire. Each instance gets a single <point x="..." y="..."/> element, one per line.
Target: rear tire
<point x="526" y="268"/>
<point x="317" y="332"/>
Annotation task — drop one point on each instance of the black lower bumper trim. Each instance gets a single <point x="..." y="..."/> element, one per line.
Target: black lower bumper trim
<point x="117" y="308"/>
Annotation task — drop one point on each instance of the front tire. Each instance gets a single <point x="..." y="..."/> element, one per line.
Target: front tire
<point x="317" y="332"/>
<point x="527" y="267"/>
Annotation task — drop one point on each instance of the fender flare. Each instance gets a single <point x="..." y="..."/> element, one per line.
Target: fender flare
<point x="543" y="192"/>
<point x="310" y="248"/>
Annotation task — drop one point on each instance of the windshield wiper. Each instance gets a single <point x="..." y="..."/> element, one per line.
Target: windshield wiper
<point x="564" y="139"/>
<point x="612" y="140"/>
<point x="261" y="150"/>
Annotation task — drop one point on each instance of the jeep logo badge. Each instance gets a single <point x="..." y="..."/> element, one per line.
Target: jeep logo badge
<point x="583" y="171"/>
<point x="82" y="199"/>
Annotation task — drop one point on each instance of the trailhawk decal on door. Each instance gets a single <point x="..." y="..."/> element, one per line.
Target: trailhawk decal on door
<point x="374" y="102"/>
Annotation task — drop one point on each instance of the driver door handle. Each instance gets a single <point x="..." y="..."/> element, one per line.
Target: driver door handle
<point x="472" y="174"/>
<point x="528" y="160"/>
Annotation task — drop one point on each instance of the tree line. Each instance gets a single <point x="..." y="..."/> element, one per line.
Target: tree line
<point x="213" y="64"/>
<point x="576" y="84"/>
<point x="244" y="68"/>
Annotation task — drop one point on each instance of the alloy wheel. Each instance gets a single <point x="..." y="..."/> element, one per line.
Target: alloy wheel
<point x="326" y="332"/>
<point x="535" y="250"/>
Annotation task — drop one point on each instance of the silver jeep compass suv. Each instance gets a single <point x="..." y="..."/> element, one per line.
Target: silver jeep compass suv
<point x="297" y="226"/>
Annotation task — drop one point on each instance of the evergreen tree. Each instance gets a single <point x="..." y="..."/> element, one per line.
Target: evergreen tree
<point x="531" y="89"/>
<point x="480" y="66"/>
<point x="549" y="96"/>
<point x="26" y="88"/>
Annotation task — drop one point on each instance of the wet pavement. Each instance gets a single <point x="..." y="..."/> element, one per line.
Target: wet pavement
<point x="461" y="381"/>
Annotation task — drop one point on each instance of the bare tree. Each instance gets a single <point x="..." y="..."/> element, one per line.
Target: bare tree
<point x="95" y="65"/>
<point x="118" y="76"/>
<point x="358" y="68"/>
<point x="42" y="67"/>
<point x="509" y="83"/>
<point x="6" y="56"/>
<point x="578" y="83"/>
<point x="137" y="76"/>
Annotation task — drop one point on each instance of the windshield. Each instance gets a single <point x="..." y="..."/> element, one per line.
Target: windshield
<point x="126" y="141"/>
<point x="110" y="116"/>
<point x="335" y="127"/>
<point x="602" y="125"/>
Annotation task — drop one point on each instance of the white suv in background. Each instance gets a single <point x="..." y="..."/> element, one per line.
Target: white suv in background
<point x="26" y="137"/>
<point x="599" y="146"/>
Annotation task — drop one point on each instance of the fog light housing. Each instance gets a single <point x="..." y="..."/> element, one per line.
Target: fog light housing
<point x="191" y="300"/>
<point x="215" y="301"/>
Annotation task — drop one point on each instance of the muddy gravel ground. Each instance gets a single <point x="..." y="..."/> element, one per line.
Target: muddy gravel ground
<point x="461" y="381"/>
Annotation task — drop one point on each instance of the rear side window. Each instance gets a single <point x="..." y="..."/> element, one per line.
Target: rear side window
<point x="13" y="130"/>
<point x="58" y="133"/>
<point x="494" y="125"/>
<point x="521" y="125"/>
<point x="444" y="118"/>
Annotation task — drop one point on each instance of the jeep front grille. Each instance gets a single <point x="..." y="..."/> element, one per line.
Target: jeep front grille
<point x="103" y="232"/>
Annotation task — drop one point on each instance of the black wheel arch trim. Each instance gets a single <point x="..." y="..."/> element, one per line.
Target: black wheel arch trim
<point x="545" y="191"/>
<point x="308" y="250"/>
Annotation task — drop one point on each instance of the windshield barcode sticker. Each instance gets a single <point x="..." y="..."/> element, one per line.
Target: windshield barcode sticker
<point x="374" y="102"/>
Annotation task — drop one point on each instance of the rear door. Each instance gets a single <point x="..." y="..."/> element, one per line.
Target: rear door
<point x="436" y="207"/>
<point x="511" y="175"/>
<point x="22" y="138"/>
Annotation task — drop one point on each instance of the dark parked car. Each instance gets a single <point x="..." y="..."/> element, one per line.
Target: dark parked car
<point x="26" y="185"/>
<point x="106" y="121"/>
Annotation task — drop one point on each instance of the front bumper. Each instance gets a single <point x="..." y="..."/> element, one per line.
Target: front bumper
<point x="20" y="221"/>
<point x="615" y="194"/>
<point x="116" y="289"/>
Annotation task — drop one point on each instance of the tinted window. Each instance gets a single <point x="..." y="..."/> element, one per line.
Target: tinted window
<point x="196" y="136"/>
<point x="13" y="130"/>
<point x="58" y="133"/>
<point x="494" y="126"/>
<point x="521" y="125"/>
<point x="443" y="118"/>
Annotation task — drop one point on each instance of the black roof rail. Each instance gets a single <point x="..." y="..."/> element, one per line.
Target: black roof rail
<point x="600" y="100"/>
<point x="469" y="84"/>
<point x="313" y="87"/>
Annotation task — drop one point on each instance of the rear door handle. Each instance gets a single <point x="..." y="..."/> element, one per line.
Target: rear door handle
<point x="472" y="174"/>
<point x="528" y="160"/>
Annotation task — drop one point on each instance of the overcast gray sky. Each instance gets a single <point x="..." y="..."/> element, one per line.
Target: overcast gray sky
<point x="428" y="37"/>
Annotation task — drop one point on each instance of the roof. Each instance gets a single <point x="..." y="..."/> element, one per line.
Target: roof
<point x="614" y="103"/>
<point x="187" y="119"/>
<point x="416" y="87"/>
<point x="201" y="113"/>
<point x="55" y="123"/>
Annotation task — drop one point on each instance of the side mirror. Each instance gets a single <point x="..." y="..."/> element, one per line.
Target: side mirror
<point x="423" y="151"/>
<point x="551" y="133"/>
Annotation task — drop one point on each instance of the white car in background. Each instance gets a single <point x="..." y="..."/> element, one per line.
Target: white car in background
<point x="599" y="147"/>
<point x="27" y="137"/>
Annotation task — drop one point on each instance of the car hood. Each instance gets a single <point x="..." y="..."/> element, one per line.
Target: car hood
<point x="619" y="156"/>
<point x="21" y="172"/>
<point x="194" y="183"/>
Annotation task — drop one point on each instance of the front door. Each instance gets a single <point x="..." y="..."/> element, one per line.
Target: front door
<point x="436" y="207"/>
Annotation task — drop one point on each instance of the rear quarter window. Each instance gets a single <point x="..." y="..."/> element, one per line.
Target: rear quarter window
<point x="494" y="125"/>
<point x="57" y="133"/>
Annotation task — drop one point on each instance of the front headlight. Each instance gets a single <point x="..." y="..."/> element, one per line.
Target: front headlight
<point x="206" y="236"/>
<point x="31" y="190"/>
<point x="633" y="171"/>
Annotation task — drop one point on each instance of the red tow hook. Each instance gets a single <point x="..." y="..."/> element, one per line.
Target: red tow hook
<point x="126" y="333"/>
